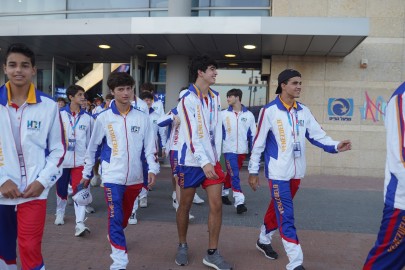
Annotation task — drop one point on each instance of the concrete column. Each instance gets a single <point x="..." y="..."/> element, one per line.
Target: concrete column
<point x="176" y="78"/>
<point x="106" y="72"/>
<point x="179" y="8"/>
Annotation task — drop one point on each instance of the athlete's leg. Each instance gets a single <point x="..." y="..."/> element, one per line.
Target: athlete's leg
<point x="31" y="222"/>
<point x="114" y="195"/>
<point x="389" y="249"/>
<point x="8" y="236"/>
<point x="131" y="192"/>
<point x="270" y="225"/>
<point x="62" y="192"/>
<point x="284" y="208"/>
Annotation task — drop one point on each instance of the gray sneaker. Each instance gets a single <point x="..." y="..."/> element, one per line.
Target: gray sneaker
<point x="181" y="256"/>
<point x="216" y="261"/>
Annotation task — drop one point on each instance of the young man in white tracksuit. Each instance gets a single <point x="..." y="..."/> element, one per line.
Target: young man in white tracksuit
<point x="238" y="129"/>
<point x="283" y="126"/>
<point x="200" y="138"/>
<point x="77" y="126"/>
<point x="123" y="131"/>
<point x="389" y="249"/>
<point x="172" y="120"/>
<point x="31" y="154"/>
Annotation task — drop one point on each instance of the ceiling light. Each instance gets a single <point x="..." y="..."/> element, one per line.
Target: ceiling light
<point x="104" y="46"/>
<point x="249" y="47"/>
<point x="230" y="55"/>
<point x="233" y="64"/>
<point x="151" y="54"/>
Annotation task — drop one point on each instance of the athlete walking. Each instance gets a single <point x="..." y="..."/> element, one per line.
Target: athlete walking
<point x="31" y="154"/>
<point x="283" y="126"/>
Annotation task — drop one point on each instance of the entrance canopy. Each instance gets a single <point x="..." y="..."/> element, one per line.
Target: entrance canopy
<point x="77" y="40"/>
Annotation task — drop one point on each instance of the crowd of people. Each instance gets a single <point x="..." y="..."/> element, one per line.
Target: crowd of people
<point x="118" y="140"/>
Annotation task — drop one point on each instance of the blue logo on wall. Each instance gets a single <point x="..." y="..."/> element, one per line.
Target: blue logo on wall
<point x="340" y="109"/>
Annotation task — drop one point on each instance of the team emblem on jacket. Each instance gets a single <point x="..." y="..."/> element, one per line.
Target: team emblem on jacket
<point x="243" y="119"/>
<point x="82" y="127"/>
<point x="135" y="129"/>
<point x="33" y="125"/>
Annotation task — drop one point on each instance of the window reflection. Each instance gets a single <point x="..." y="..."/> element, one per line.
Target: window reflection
<point x="249" y="81"/>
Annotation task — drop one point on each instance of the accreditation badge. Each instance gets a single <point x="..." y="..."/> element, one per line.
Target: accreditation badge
<point x="297" y="149"/>
<point x="71" y="144"/>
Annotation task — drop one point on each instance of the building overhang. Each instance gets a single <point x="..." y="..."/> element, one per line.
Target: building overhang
<point x="77" y="40"/>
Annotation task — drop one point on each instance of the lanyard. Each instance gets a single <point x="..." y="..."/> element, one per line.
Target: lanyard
<point x="210" y="103"/>
<point x="71" y="124"/>
<point x="292" y="124"/>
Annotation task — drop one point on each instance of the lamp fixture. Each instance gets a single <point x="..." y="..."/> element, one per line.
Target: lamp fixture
<point x="233" y="64"/>
<point x="249" y="47"/>
<point x="229" y="55"/>
<point x="151" y="55"/>
<point x="104" y="46"/>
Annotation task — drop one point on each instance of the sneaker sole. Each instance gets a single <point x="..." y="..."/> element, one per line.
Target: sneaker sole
<point x="132" y="222"/>
<point x="82" y="232"/>
<point x="207" y="263"/>
<point x="181" y="264"/>
<point x="198" y="202"/>
<point x="265" y="255"/>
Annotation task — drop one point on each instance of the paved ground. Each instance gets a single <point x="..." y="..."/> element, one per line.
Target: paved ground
<point x="337" y="220"/>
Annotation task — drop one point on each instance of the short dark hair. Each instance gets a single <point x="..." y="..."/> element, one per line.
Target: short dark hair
<point x="60" y="99"/>
<point x="116" y="79"/>
<point x="109" y="96"/>
<point x="20" y="48"/>
<point x="200" y="63"/>
<point x="147" y="86"/>
<point x="235" y="92"/>
<point x="145" y="94"/>
<point x="73" y="89"/>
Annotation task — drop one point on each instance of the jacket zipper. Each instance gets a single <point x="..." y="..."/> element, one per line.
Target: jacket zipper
<point x="126" y="137"/>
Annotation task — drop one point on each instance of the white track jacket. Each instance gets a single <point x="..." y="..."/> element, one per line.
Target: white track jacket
<point x="238" y="131"/>
<point x="42" y="144"/>
<point x="394" y="184"/>
<point x="122" y="139"/>
<point x="78" y="128"/>
<point x="172" y="132"/>
<point x="200" y="133"/>
<point x="276" y="129"/>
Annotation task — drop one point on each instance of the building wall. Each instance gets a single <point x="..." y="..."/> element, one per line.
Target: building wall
<point x="325" y="78"/>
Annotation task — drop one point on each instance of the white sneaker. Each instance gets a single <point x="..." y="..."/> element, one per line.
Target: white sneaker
<point x="143" y="202"/>
<point x="59" y="219"/>
<point x="90" y="209"/>
<point x="95" y="181"/>
<point x="175" y="204"/>
<point x="81" y="229"/>
<point x="132" y="219"/>
<point x="190" y="216"/>
<point x="197" y="199"/>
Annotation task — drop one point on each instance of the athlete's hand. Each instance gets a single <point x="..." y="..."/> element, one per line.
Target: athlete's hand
<point x="151" y="180"/>
<point x="344" y="146"/>
<point x="85" y="182"/>
<point x="33" y="190"/>
<point x="10" y="190"/>
<point x="254" y="181"/>
<point x="209" y="171"/>
<point x="176" y="121"/>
